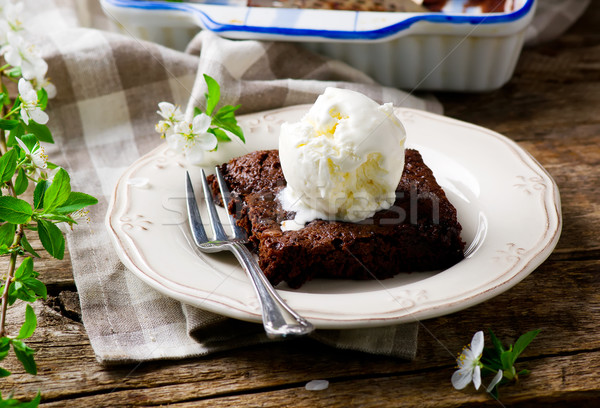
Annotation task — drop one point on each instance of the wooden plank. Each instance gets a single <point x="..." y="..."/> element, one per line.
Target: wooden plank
<point x="554" y="380"/>
<point x="68" y="370"/>
<point x="552" y="377"/>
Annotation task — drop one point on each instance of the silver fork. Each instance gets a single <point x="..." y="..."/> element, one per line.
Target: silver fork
<point x="279" y="320"/>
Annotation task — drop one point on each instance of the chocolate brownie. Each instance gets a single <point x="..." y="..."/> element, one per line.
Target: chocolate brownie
<point x="355" y="5"/>
<point x="420" y="232"/>
<point x="487" y="6"/>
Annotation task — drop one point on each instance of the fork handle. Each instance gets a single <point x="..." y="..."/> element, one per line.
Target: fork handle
<point x="279" y="319"/>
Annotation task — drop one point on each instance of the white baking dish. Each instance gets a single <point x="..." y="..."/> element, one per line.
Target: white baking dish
<point x="449" y="51"/>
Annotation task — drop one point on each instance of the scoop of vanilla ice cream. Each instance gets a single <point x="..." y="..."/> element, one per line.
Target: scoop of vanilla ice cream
<point x="343" y="160"/>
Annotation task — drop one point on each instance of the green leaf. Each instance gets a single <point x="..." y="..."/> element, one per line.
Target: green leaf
<point x="227" y="110"/>
<point x="30" y="324"/>
<point x="4" y="347"/>
<point x="58" y="192"/>
<point x="236" y="130"/>
<point x="40" y="131"/>
<point x="8" y="124"/>
<point x="7" y="233"/>
<point x="522" y="343"/>
<point x="21" y="182"/>
<point x="38" y="194"/>
<point x="4" y="373"/>
<point x="12" y="293"/>
<point x="25" y="355"/>
<point x="506" y="358"/>
<point x="14" y="72"/>
<point x="8" y="165"/>
<point x="497" y="343"/>
<point x="219" y="134"/>
<point x="491" y="359"/>
<point x="213" y="95"/>
<point x="42" y="98"/>
<point x="24" y="293"/>
<point x="58" y="218"/>
<point x="76" y="201"/>
<point x="197" y="111"/>
<point x="18" y="131"/>
<point x="15" y="210"/>
<point x="25" y="269"/>
<point x="6" y="101"/>
<point x="52" y="238"/>
<point x="34" y="403"/>
<point x="27" y="246"/>
<point x="36" y="287"/>
<point x="15" y="403"/>
<point x="226" y="120"/>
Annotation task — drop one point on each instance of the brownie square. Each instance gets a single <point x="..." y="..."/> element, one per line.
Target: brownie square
<point x="420" y="232"/>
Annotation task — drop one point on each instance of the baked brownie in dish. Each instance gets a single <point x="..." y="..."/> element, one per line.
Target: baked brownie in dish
<point x="355" y="5"/>
<point x="420" y="232"/>
<point x="487" y="6"/>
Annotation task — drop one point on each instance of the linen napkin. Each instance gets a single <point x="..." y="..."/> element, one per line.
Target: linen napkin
<point x="103" y="120"/>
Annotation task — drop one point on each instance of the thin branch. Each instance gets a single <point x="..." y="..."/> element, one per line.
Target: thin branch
<point x="9" y="277"/>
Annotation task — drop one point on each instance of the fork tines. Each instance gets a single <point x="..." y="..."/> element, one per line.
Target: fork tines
<point x="197" y="227"/>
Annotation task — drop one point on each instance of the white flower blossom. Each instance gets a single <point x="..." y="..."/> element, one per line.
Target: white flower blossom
<point x="81" y="214"/>
<point x="30" y="108"/>
<point x="171" y="115"/>
<point x="12" y="13"/>
<point x="20" y="53"/>
<point x="469" y="366"/>
<point x="37" y="158"/>
<point x="42" y="82"/>
<point x="192" y="138"/>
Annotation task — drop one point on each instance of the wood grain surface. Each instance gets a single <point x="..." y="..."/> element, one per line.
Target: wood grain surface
<point x="551" y="107"/>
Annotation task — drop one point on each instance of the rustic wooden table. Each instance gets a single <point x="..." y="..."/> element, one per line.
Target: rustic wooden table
<point x="551" y="108"/>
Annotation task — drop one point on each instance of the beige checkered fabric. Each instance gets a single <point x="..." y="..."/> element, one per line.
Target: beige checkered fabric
<point x="103" y="119"/>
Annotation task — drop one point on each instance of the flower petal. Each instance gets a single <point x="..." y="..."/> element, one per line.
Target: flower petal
<point x="22" y="146"/>
<point x="461" y="378"/>
<point x="468" y="356"/>
<point x="497" y="378"/>
<point x="175" y="141"/>
<point x="166" y="109"/>
<point x="39" y="116"/>
<point x="12" y="56"/>
<point x="25" y="87"/>
<point x="201" y="123"/>
<point x="477" y="377"/>
<point x="195" y="154"/>
<point x="24" y="115"/>
<point x="50" y="89"/>
<point x="207" y="141"/>
<point x="477" y="344"/>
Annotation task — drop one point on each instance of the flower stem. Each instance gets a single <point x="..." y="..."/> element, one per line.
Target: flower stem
<point x="11" y="273"/>
<point x="16" y="242"/>
<point x="12" y="112"/>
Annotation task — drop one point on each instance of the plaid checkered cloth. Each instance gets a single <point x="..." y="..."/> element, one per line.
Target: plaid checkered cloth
<point x="103" y="120"/>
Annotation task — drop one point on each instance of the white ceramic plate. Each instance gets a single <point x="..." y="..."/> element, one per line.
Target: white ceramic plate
<point x="508" y="205"/>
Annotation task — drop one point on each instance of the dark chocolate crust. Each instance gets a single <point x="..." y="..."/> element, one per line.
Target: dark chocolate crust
<point x="420" y="232"/>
